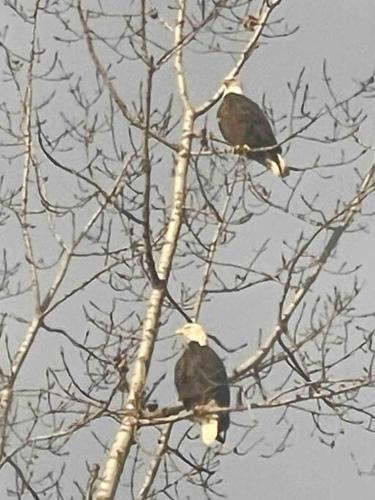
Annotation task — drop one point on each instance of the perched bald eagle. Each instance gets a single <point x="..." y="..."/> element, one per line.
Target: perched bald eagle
<point x="244" y="125"/>
<point x="202" y="382"/>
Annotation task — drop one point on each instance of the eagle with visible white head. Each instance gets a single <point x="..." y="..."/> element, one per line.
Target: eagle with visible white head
<point x="201" y="381"/>
<point x="245" y="126"/>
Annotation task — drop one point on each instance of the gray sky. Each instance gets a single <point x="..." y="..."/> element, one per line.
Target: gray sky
<point x="342" y="33"/>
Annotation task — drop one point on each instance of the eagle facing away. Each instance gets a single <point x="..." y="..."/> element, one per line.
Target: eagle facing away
<point x="201" y="381"/>
<point x="244" y="125"/>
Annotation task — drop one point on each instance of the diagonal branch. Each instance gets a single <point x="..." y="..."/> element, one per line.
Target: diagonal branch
<point x="265" y="12"/>
<point x="211" y="253"/>
<point x="111" y="88"/>
<point x="147" y="174"/>
<point x="365" y="189"/>
<point x="155" y="463"/>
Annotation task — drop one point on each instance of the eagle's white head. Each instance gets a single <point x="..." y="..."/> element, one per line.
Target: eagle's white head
<point x="192" y="332"/>
<point x="233" y="85"/>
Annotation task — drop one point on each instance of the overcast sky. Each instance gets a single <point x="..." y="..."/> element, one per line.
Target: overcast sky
<point x="342" y="33"/>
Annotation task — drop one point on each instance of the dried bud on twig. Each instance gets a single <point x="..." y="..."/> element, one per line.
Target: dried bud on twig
<point x="250" y="22"/>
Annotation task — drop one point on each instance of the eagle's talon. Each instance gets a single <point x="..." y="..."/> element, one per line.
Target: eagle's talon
<point x="240" y="149"/>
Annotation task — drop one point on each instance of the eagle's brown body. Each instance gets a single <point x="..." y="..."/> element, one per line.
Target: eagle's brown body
<point x="245" y="126"/>
<point x="200" y="378"/>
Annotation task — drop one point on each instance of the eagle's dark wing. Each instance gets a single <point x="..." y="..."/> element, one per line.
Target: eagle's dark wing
<point x="200" y="377"/>
<point x="241" y="121"/>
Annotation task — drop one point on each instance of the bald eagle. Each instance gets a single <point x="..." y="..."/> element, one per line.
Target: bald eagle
<point x="202" y="383"/>
<point x="244" y="125"/>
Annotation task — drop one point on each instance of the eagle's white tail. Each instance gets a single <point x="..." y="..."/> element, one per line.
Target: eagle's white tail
<point x="279" y="167"/>
<point x="209" y="429"/>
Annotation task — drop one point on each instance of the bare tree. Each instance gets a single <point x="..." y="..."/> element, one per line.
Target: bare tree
<point x="124" y="214"/>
